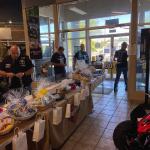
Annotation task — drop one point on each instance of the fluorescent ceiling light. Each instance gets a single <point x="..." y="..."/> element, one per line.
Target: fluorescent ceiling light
<point x="77" y="10"/>
<point x="119" y="12"/>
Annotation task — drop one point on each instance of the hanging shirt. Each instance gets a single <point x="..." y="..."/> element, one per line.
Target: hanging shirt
<point x="21" y="64"/>
<point x="59" y="59"/>
<point x="82" y="55"/>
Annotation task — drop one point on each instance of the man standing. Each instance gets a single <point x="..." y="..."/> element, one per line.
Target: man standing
<point x="81" y="55"/>
<point x="59" y="61"/>
<point x="17" y="69"/>
<point x="121" y="66"/>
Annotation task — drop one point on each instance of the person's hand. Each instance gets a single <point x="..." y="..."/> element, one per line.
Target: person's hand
<point x="20" y="74"/>
<point x="10" y="75"/>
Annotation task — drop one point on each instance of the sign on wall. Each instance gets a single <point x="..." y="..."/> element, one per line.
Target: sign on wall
<point x="34" y="32"/>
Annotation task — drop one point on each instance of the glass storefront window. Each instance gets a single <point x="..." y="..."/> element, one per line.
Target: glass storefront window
<point x="51" y="25"/>
<point x="102" y="21"/>
<point x="43" y="24"/>
<point x="45" y="45"/>
<point x="147" y="17"/>
<point x="109" y="31"/>
<point x="76" y="24"/>
<point x="101" y="46"/>
<point x="78" y="34"/>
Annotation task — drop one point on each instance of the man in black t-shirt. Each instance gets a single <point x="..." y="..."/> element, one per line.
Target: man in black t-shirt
<point x="17" y="69"/>
<point x="122" y="65"/>
<point x="59" y="61"/>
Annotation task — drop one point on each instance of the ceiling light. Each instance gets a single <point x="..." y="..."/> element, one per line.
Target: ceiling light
<point x="77" y="10"/>
<point x="119" y="12"/>
<point x="10" y="22"/>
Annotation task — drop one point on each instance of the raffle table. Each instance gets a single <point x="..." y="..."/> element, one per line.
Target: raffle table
<point x="55" y="135"/>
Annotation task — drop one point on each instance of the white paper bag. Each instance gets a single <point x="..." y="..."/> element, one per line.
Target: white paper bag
<point x="83" y="94"/>
<point x="87" y="91"/>
<point x="57" y="115"/>
<point x="77" y="99"/>
<point x="39" y="128"/>
<point x="68" y="111"/>
<point x="19" y="142"/>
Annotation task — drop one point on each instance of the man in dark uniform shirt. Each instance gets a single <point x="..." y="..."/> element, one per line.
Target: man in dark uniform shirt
<point x="17" y="69"/>
<point x="122" y="65"/>
<point x="81" y="55"/>
<point x="59" y="61"/>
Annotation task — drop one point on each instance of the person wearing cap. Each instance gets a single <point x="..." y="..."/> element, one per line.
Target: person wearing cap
<point x="121" y="57"/>
<point x="17" y="69"/>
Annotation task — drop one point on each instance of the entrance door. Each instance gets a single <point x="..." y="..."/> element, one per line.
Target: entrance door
<point x="107" y="46"/>
<point x="101" y="46"/>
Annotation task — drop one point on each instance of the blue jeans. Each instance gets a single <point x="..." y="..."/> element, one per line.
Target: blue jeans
<point x="120" y="70"/>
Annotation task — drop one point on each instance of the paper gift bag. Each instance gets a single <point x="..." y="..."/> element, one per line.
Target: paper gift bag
<point x="19" y="141"/>
<point x="39" y="128"/>
<point x="68" y="111"/>
<point x="57" y="115"/>
<point x="83" y="94"/>
<point x="77" y="99"/>
<point x="87" y="91"/>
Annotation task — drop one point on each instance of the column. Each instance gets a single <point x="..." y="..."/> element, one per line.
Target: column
<point x="132" y="93"/>
<point x="56" y="25"/>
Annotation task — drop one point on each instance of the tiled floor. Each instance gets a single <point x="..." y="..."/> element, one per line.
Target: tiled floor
<point x="95" y="133"/>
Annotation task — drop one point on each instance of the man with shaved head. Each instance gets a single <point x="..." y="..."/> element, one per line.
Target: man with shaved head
<point x="17" y="69"/>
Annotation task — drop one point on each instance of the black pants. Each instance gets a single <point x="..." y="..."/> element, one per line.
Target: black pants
<point x="120" y="70"/>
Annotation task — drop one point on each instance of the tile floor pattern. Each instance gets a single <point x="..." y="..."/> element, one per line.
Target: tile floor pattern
<point x="95" y="132"/>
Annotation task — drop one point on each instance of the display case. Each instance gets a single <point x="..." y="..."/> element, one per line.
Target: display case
<point x="145" y="57"/>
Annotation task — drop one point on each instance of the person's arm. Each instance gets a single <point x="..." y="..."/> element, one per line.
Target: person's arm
<point x="3" y="73"/>
<point x="115" y="56"/>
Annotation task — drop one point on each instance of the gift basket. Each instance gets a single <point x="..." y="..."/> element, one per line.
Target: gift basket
<point x="21" y="110"/>
<point x="42" y="97"/>
<point x="6" y="124"/>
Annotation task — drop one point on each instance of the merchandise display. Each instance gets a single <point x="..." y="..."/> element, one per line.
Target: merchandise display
<point x="21" y="111"/>
<point x="72" y="96"/>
